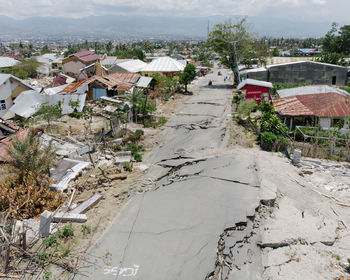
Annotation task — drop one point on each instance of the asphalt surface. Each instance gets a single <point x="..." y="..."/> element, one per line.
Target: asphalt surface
<point x="200" y="190"/>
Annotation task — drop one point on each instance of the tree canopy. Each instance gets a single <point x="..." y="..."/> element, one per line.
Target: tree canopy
<point x="232" y="42"/>
<point x="336" y="45"/>
<point x="188" y="75"/>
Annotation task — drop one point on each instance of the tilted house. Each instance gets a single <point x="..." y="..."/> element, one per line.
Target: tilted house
<point x="109" y="85"/>
<point x="10" y="88"/>
<point x="73" y="64"/>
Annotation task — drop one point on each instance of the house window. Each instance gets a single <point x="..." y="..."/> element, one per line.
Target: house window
<point x="2" y="105"/>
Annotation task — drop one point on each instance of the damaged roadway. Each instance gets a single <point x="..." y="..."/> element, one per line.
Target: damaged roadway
<point x="202" y="196"/>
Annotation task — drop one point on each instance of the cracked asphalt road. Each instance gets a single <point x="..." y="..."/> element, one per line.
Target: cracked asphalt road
<point x="201" y="189"/>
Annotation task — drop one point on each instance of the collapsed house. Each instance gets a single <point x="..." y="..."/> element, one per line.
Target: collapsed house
<point x="73" y="64"/>
<point x="7" y="130"/>
<point x="312" y="105"/>
<point x="10" y="88"/>
<point x="109" y="85"/>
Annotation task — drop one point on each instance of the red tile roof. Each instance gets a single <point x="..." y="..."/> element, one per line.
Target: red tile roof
<point x="330" y="104"/>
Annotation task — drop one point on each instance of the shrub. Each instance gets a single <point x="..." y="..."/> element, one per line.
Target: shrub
<point x="162" y="120"/>
<point x="76" y="114"/>
<point x="85" y="229"/>
<point x="66" y="232"/>
<point x="128" y="166"/>
<point x="138" y="157"/>
<point x="246" y="108"/>
<point x="146" y="123"/>
<point x="138" y="134"/>
<point x="268" y="140"/>
<point x="50" y="241"/>
<point x="134" y="148"/>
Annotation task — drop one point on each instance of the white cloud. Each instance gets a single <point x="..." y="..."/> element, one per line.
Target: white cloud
<point x="312" y="9"/>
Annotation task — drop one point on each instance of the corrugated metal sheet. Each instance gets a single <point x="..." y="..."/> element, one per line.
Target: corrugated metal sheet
<point x="143" y="82"/>
<point x="7" y="61"/>
<point x="123" y="77"/>
<point x="164" y="64"/>
<point x="316" y="89"/>
<point x="330" y="104"/>
<point x="133" y="66"/>
<point x="28" y="103"/>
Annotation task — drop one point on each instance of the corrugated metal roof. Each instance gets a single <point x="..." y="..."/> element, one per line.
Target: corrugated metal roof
<point x="254" y="83"/>
<point x="164" y="64"/>
<point x="5" y="77"/>
<point x="112" y="60"/>
<point x="143" y="82"/>
<point x="86" y="56"/>
<point x="304" y="61"/>
<point x="7" y="61"/>
<point x="133" y="65"/>
<point x="28" y="103"/>
<point x="119" y="81"/>
<point x="123" y="77"/>
<point x="316" y="89"/>
<point x="329" y="104"/>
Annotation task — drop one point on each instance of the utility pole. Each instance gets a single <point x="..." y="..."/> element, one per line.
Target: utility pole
<point x="237" y="79"/>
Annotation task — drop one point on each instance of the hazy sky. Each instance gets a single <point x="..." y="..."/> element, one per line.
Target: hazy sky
<point x="313" y="10"/>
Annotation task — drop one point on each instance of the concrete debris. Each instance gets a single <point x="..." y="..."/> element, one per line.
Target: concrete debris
<point x="66" y="171"/>
<point x="45" y="223"/>
<point x="122" y="157"/>
<point x="69" y="217"/>
<point x="87" y="204"/>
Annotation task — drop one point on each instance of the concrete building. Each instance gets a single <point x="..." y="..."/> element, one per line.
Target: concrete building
<point x="298" y="72"/>
<point x="308" y="72"/>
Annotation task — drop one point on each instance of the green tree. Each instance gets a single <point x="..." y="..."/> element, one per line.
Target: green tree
<point x="275" y="52"/>
<point x="336" y="45"/>
<point x="28" y="155"/>
<point x="49" y="112"/>
<point x="188" y="75"/>
<point x="25" y="69"/>
<point x="109" y="47"/>
<point x="232" y="42"/>
<point x="45" y="50"/>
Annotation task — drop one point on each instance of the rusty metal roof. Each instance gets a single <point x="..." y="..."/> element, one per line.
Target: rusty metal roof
<point x="87" y="55"/>
<point x="5" y="140"/>
<point x="118" y="81"/>
<point x="123" y="77"/>
<point x="331" y="104"/>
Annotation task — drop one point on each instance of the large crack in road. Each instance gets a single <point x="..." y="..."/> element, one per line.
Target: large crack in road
<point x="189" y="225"/>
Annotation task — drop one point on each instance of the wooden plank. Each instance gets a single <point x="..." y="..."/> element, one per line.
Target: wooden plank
<point x="69" y="217"/>
<point x="87" y="204"/>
